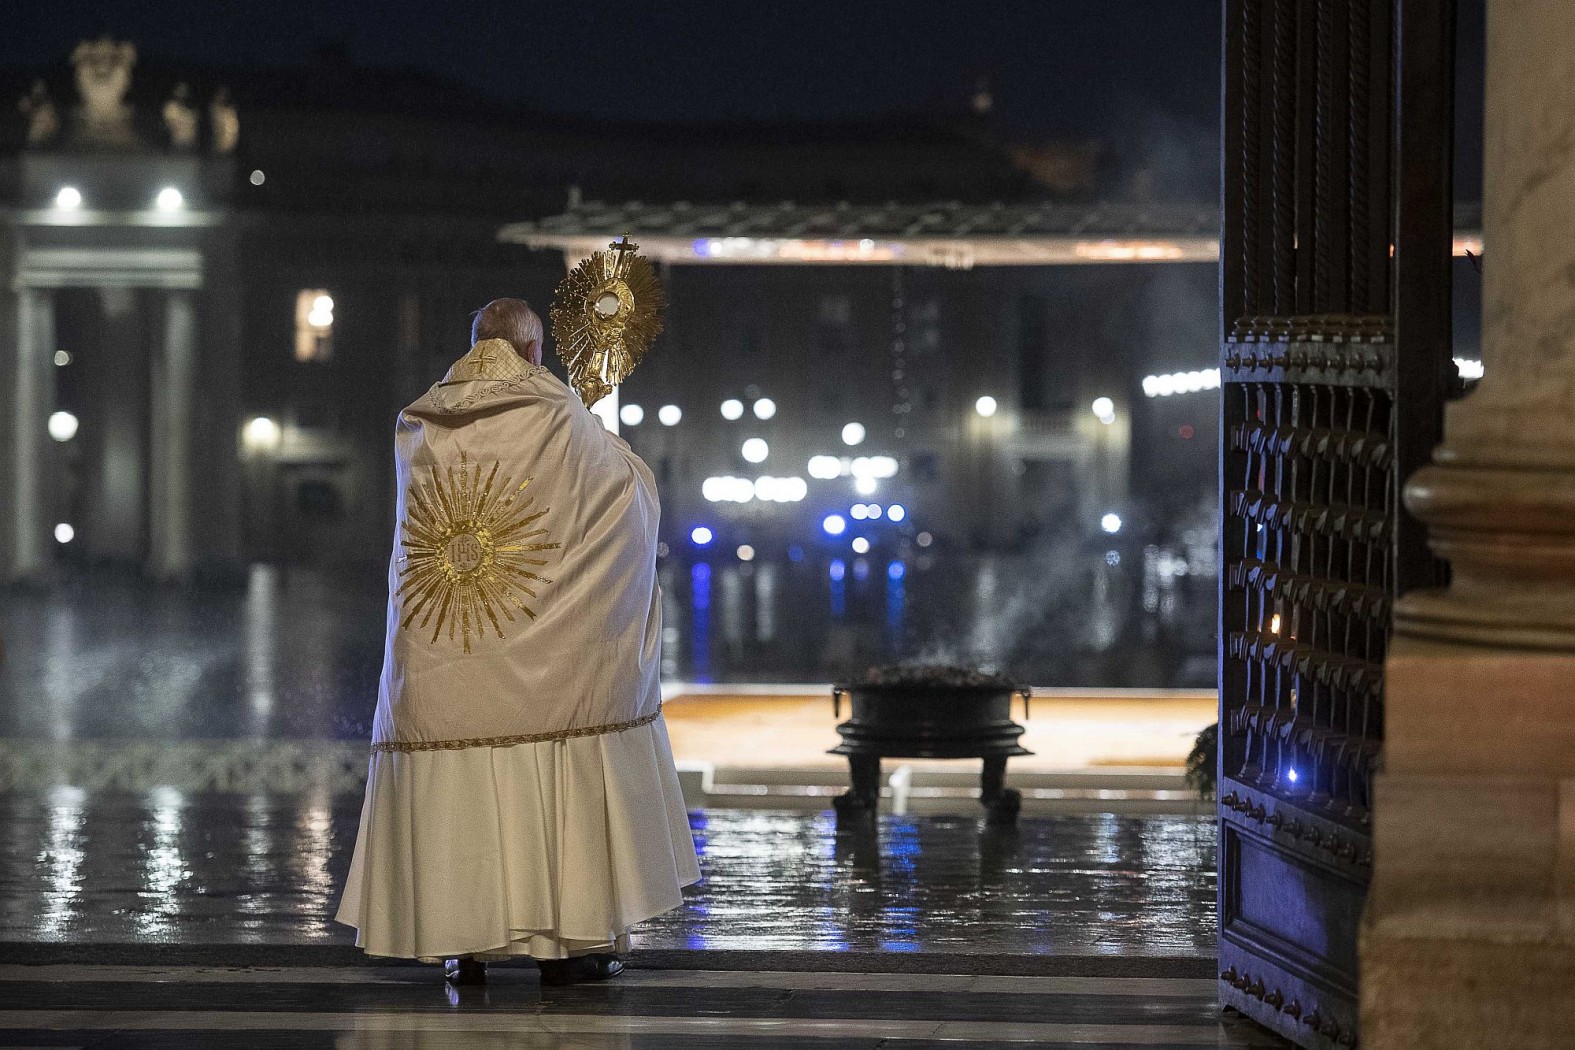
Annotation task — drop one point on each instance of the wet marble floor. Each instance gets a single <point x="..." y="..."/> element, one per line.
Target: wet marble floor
<point x="343" y="1008"/>
<point x="163" y="867"/>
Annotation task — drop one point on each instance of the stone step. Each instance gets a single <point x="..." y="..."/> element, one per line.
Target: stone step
<point x="928" y="790"/>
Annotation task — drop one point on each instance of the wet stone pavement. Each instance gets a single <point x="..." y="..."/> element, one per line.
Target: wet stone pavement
<point x="134" y="915"/>
<point x="175" y="1008"/>
<point x="163" y="867"/>
<point x="177" y="921"/>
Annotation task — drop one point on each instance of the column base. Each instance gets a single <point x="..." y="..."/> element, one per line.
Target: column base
<point x="1465" y="993"/>
<point x="1506" y="621"/>
<point x="1508" y="531"/>
<point x="1469" y="934"/>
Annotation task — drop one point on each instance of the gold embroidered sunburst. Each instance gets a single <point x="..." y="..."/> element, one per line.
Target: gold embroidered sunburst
<point x="469" y="546"/>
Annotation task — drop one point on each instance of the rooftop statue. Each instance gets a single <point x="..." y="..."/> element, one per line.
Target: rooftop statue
<point x="43" y="121"/>
<point x="103" y="74"/>
<point x="180" y="118"/>
<point x="225" y="121"/>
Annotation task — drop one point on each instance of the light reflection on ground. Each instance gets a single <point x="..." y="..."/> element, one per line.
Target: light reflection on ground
<point x="296" y="654"/>
<point x="164" y="866"/>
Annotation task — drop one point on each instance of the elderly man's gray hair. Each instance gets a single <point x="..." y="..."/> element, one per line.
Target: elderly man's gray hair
<point x="510" y="319"/>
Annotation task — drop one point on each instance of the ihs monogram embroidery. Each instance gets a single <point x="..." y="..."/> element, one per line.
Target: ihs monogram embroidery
<point x="467" y="548"/>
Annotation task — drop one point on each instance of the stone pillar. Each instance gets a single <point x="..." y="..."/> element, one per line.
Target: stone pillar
<point x="31" y="550"/>
<point x="174" y="381"/>
<point x="1469" y="937"/>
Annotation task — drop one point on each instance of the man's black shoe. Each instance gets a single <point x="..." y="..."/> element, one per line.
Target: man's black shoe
<point x="555" y="973"/>
<point x="600" y="967"/>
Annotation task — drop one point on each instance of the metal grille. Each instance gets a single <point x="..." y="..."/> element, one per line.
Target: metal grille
<point x="1310" y="582"/>
<point x="1334" y="350"/>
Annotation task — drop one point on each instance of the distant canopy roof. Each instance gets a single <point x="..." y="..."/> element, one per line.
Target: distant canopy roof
<point x="943" y="233"/>
<point x="948" y="234"/>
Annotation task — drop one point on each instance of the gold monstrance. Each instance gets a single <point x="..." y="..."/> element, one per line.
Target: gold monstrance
<point x="605" y="315"/>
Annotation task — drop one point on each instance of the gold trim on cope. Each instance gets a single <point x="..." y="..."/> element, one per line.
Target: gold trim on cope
<point x="488" y="359"/>
<point x="508" y="741"/>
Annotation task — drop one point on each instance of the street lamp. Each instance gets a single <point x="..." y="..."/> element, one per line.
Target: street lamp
<point x="62" y="426"/>
<point x="985" y="406"/>
<point x="262" y="434"/>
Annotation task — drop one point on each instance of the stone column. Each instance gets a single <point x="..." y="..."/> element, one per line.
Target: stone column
<point x="33" y="398"/>
<point x="174" y="381"/>
<point x="1469" y="937"/>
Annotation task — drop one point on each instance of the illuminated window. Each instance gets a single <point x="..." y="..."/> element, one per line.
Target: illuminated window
<point x="314" y="325"/>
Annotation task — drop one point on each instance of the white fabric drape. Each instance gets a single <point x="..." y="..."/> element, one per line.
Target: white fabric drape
<point x="548" y="849"/>
<point x="521" y="797"/>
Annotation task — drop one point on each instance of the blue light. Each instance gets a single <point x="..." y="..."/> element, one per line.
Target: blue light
<point x="1112" y="557"/>
<point x="1291" y="776"/>
<point x="700" y="622"/>
<point x="839" y="568"/>
<point x="896" y="599"/>
<point x="702" y="247"/>
<point x="896" y="512"/>
<point x="795" y="553"/>
<point x="701" y="535"/>
<point x="861" y="570"/>
<point x="834" y="524"/>
<point x="700" y="579"/>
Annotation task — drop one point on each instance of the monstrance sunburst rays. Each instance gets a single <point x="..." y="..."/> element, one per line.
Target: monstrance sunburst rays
<point x="468" y="544"/>
<point x="605" y="315"/>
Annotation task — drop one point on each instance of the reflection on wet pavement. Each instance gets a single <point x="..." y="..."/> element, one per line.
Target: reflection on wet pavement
<point x="296" y="653"/>
<point x="163" y="866"/>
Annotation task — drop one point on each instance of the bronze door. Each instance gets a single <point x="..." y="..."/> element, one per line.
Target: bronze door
<point x="1334" y="359"/>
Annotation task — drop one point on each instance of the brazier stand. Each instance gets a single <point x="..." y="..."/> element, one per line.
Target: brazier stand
<point x="921" y="721"/>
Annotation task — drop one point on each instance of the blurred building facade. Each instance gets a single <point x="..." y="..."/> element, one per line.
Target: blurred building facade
<point x="222" y="286"/>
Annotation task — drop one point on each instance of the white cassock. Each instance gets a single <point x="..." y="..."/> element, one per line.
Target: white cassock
<point x="522" y="798"/>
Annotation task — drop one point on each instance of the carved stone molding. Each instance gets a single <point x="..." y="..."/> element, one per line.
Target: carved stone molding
<point x="1500" y="496"/>
<point x="1509" y="536"/>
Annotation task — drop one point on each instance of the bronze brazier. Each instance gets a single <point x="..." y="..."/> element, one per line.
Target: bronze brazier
<point x="929" y="721"/>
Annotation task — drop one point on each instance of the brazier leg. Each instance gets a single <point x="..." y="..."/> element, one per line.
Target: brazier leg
<point x="1001" y="801"/>
<point x="864" y="795"/>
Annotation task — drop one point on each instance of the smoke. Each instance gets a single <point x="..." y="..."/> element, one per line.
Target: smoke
<point x="1018" y="604"/>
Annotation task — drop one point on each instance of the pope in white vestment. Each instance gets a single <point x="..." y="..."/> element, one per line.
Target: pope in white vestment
<point x="522" y="798"/>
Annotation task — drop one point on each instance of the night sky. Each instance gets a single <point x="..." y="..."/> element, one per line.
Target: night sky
<point x="1056" y="67"/>
<point x="1142" y="72"/>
